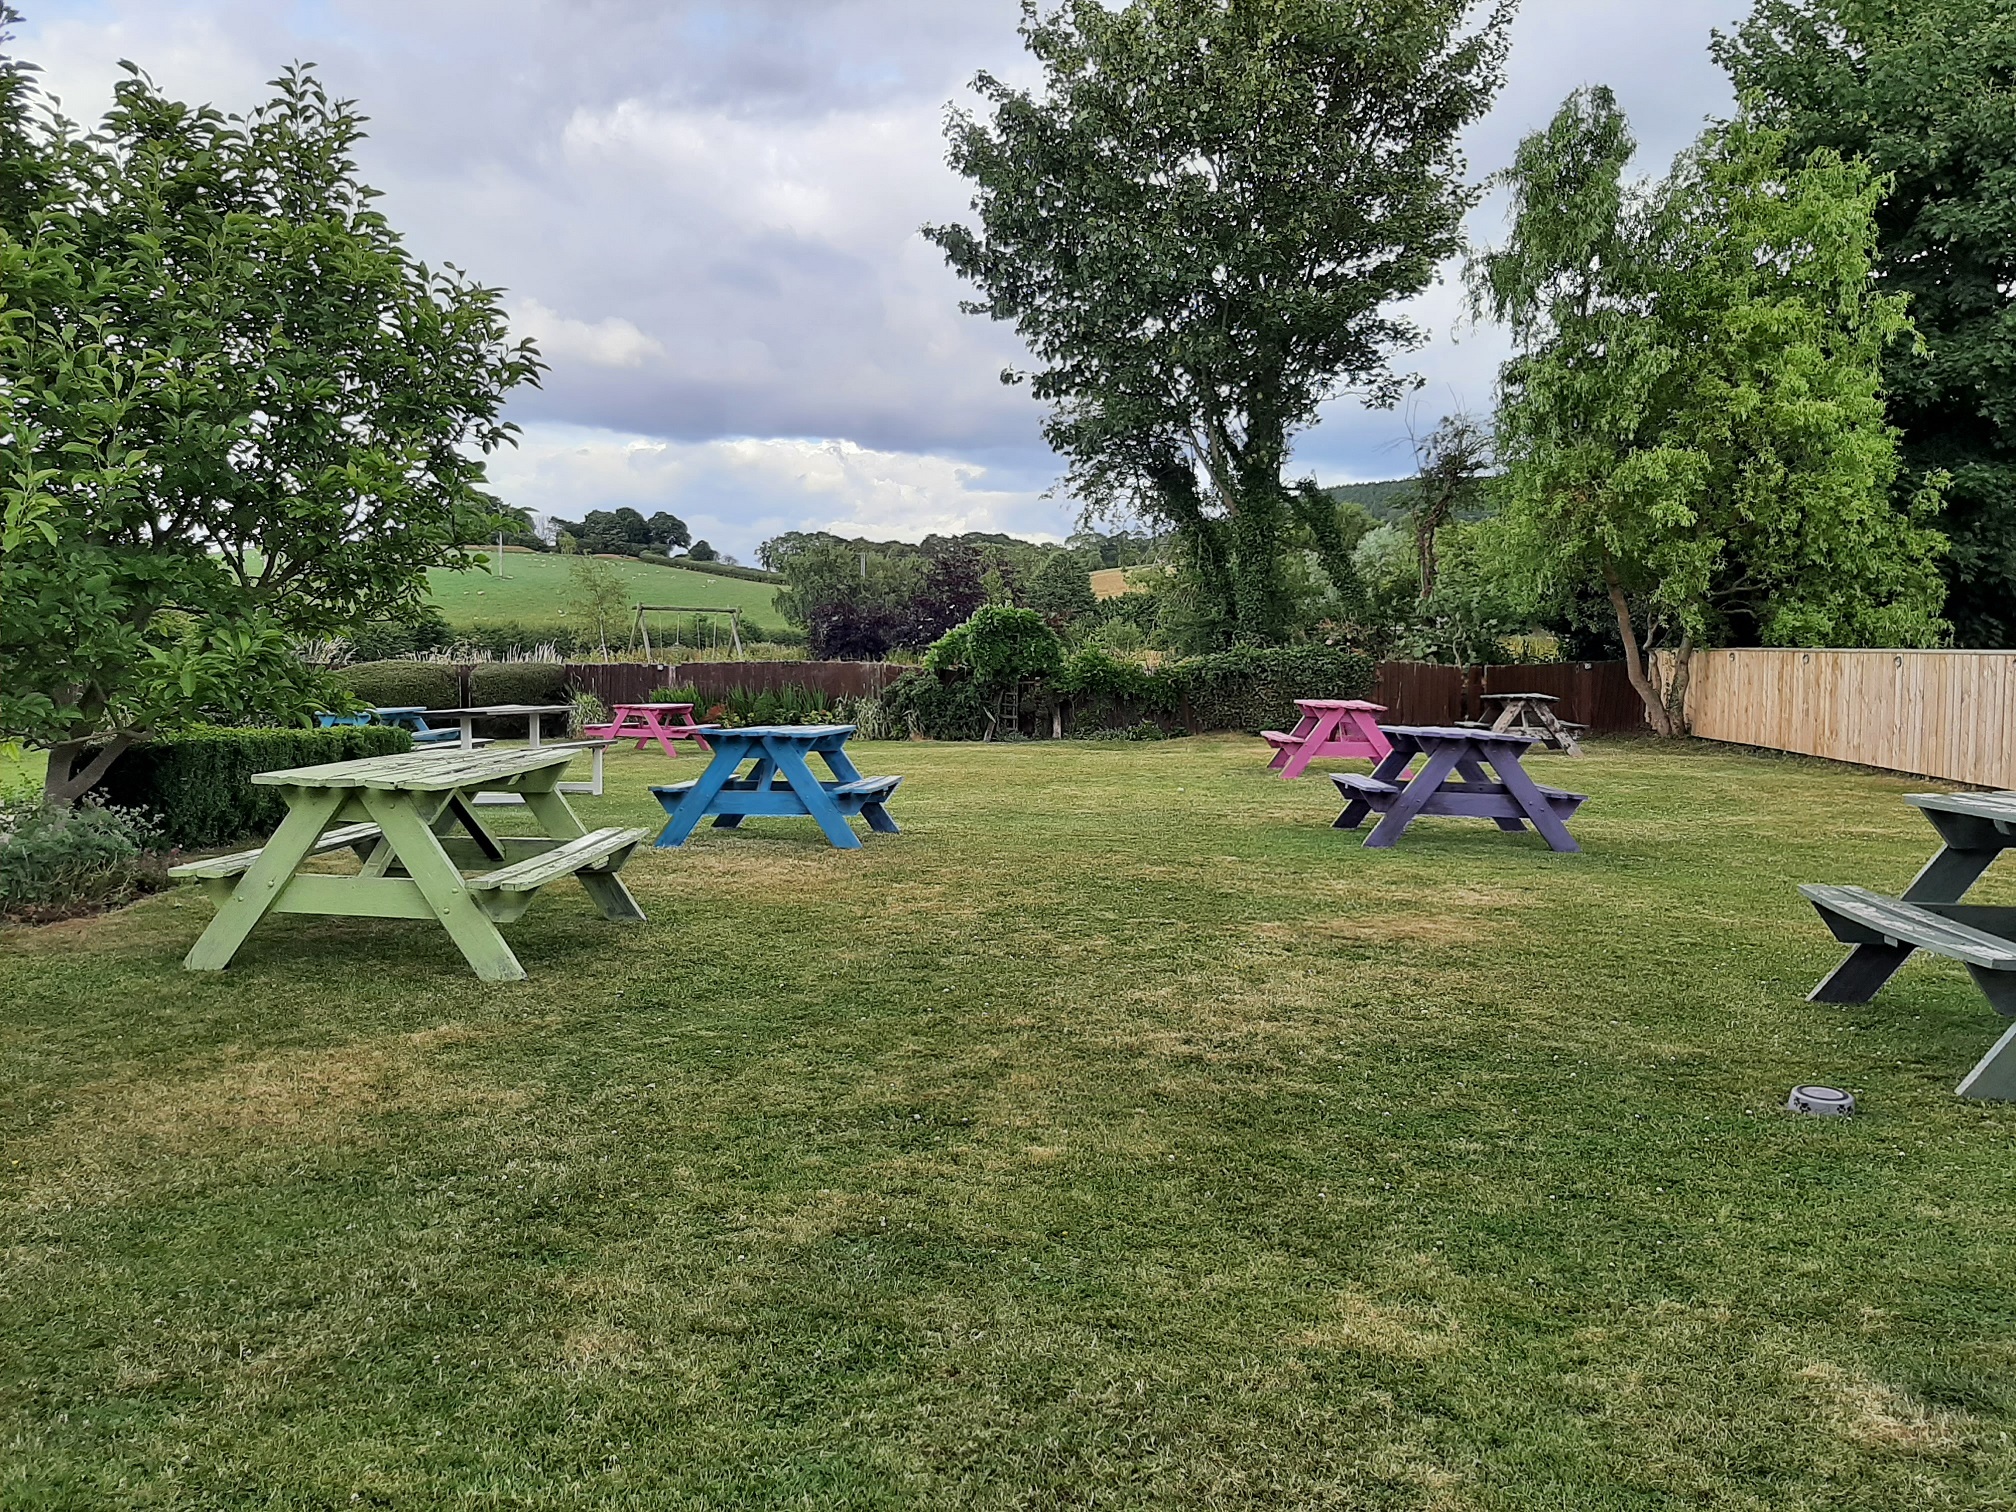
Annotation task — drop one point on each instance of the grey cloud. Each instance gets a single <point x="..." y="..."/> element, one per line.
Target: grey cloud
<point x="739" y="184"/>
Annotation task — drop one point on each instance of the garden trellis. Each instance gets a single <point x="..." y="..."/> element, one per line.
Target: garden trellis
<point x="640" y="627"/>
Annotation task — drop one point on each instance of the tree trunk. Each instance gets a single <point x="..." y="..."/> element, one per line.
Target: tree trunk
<point x="1634" y="658"/>
<point x="65" y="782"/>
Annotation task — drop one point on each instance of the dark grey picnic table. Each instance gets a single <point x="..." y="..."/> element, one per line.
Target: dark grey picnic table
<point x="1886" y="932"/>
<point x="1458" y="772"/>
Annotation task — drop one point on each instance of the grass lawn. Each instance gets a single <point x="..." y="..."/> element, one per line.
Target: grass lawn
<point x="1118" y="1135"/>
<point x="534" y="591"/>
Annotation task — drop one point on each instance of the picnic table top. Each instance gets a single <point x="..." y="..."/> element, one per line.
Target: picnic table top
<point x="1997" y="806"/>
<point x="653" y="708"/>
<point x="777" y="732"/>
<point x="383" y="709"/>
<point x="428" y="771"/>
<point x="488" y="710"/>
<point x="1459" y="732"/>
<point x="1523" y="697"/>
<point x="1340" y="703"/>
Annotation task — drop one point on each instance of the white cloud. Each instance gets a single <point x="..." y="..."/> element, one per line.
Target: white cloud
<point x="737" y="492"/>
<point x="611" y="342"/>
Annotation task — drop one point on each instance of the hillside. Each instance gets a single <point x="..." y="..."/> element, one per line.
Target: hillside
<point x="534" y="591"/>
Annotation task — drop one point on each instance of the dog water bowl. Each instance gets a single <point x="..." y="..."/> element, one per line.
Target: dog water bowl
<point x="1826" y="1102"/>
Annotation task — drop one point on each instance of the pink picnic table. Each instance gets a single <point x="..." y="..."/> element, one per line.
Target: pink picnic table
<point x="1330" y="728"/>
<point x="664" y="723"/>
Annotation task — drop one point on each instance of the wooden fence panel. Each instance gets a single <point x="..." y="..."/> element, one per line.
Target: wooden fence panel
<point x="1597" y="694"/>
<point x="1947" y="714"/>
<point x="634" y="682"/>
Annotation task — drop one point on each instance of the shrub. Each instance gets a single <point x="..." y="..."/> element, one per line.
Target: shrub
<point x="518" y="683"/>
<point x="197" y="786"/>
<point x="403" y="684"/>
<point x="57" y="860"/>
<point x="869" y="717"/>
<point x="1254" y="688"/>
<point x="387" y="640"/>
<point x="921" y="702"/>
<point x="583" y="710"/>
<point x="716" y="569"/>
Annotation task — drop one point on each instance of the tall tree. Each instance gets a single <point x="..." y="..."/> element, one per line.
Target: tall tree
<point x="235" y="411"/>
<point x="1925" y="92"/>
<point x="1199" y="227"/>
<point x="1695" y="421"/>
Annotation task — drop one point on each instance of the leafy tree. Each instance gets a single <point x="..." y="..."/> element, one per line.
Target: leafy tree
<point x="1921" y="91"/>
<point x="616" y="532"/>
<point x="668" y="530"/>
<point x="1695" y="421"/>
<point x="236" y="411"/>
<point x="955" y="586"/>
<point x="700" y="551"/>
<point x="1200" y="227"/>
<point x="598" y="598"/>
<point x="1062" y="591"/>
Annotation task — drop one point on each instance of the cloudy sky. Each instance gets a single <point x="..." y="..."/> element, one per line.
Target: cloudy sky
<point x="706" y="212"/>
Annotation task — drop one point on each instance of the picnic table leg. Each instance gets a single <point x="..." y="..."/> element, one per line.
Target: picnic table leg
<point x="687" y="813"/>
<point x="1324" y="727"/>
<point x="1414" y="797"/>
<point x="1557" y="733"/>
<point x="308" y="814"/>
<point x="818" y="802"/>
<point x="558" y="820"/>
<point x="760" y="774"/>
<point x="1507" y="716"/>
<point x="1534" y="802"/>
<point x="1389" y="768"/>
<point x="1993" y="1078"/>
<point x="1866" y="970"/>
<point x="1302" y="728"/>
<point x="1473" y="771"/>
<point x="420" y="853"/>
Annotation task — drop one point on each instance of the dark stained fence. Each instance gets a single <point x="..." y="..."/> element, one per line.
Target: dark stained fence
<point x="1597" y="694"/>
<point x="635" y="682"/>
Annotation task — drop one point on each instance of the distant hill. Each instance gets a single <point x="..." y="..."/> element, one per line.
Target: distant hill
<point x="1385" y="502"/>
<point x="534" y="591"/>
<point x="1389" y="503"/>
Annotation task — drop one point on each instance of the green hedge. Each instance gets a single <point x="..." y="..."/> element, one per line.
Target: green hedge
<point x="1255" y="688"/>
<point x="936" y="707"/>
<point x="517" y="683"/>
<point x="197" y="786"/>
<point x="404" y="684"/>
<point x="717" y="569"/>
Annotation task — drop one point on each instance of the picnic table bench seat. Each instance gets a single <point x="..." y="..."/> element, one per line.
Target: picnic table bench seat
<point x="590" y="852"/>
<point x="1958" y="931"/>
<point x="1885" y="932"/>
<point x="357" y="837"/>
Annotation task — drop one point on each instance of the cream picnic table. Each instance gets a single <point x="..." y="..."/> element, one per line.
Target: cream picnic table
<point x="399" y="814"/>
<point x="1340" y="728"/>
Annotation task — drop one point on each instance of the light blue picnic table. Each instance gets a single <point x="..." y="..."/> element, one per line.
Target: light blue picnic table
<point x="781" y="783"/>
<point x="402" y="716"/>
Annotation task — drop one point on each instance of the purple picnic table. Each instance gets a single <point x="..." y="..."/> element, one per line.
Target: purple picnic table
<point x="1450" y="779"/>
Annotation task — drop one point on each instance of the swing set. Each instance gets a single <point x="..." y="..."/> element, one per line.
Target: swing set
<point x="640" y="627"/>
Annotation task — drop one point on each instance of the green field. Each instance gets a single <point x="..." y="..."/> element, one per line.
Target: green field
<point x="534" y="591"/>
<point x="1119" y="1135"/>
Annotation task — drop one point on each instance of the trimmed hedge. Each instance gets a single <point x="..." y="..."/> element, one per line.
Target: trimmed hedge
<point x="1254" y="688"/>
<point x="197" y="785"/>
<point x="934" y="706"/>
<point x="404" y="684"/>
<point x="517" y="683"/>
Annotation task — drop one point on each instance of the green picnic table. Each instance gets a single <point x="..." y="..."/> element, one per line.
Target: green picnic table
<point x="400" y="816"/>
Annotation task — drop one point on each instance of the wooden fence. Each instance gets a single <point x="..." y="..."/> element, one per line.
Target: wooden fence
<point x="1947" y="714"/>
<point x="634" y="682"/>
<point x="1597" y="694"/>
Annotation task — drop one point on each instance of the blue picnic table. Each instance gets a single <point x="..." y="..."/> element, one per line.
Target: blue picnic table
<point x="780" y="783"/>
<point x="404" y="716"/>
<point x="1449" y="778"/>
